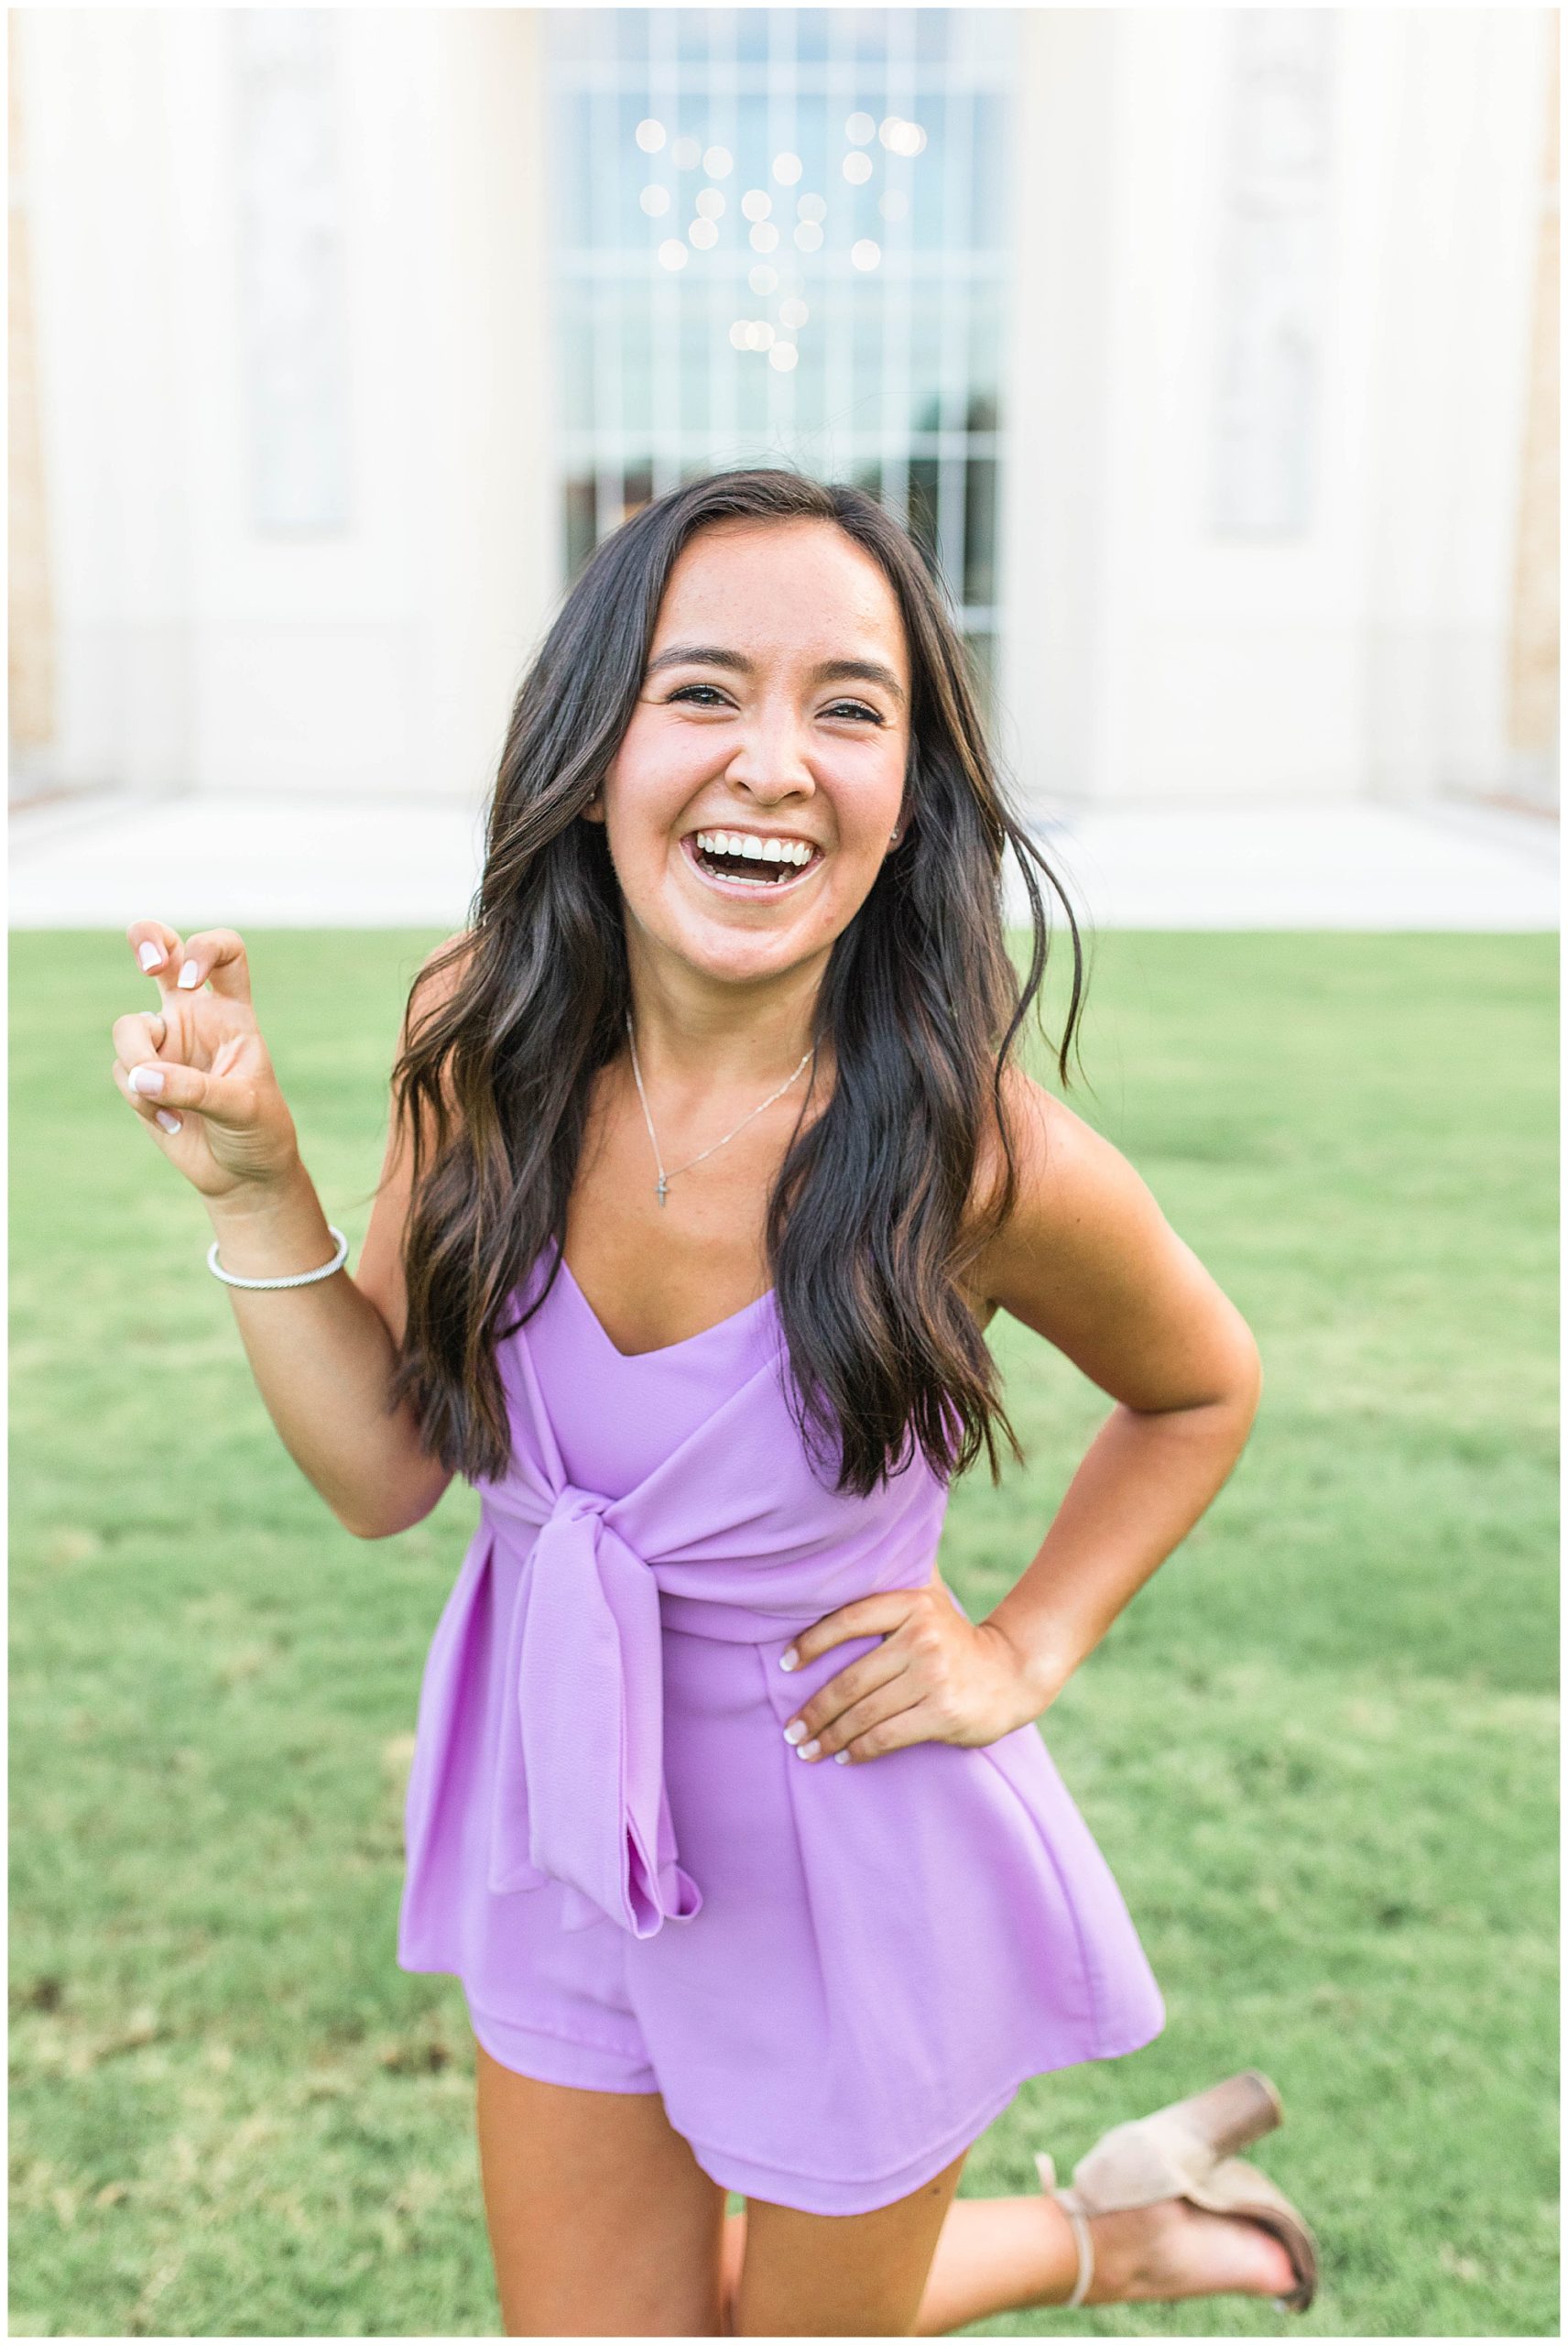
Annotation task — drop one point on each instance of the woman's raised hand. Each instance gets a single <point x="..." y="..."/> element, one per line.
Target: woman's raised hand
<point x="196" y="1070"/>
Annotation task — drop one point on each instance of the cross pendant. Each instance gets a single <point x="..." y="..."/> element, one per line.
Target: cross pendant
<point x="663" y="1185"/>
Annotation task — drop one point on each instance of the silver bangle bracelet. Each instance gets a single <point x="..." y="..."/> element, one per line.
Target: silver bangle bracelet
<point x="305" y="1278"/>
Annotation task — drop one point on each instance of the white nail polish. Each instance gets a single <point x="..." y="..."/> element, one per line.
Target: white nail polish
<point x="187" y="975"/>
<point x="789" y="1660"/>
<point x="149" y="956"/>
<point x="164" y="1121"/>
<point x="841" y="1758"/>
<point x="795" y="1733"/>
<point x="807" y="1749"/>
<point x="148" y="1080"/>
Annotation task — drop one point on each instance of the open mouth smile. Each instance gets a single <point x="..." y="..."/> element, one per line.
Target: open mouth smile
<point x="738" y="863"/>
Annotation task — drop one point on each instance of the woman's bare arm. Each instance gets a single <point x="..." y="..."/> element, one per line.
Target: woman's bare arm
<point x="323" y="1355"/>
<point x="1089" y="1261"/>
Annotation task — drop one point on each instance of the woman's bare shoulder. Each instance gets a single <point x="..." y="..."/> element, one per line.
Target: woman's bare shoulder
<point x="1088" y="1260"/>
<point x="380" y="1271"/>
<point x="1061" y="1165"/>
<point x="440" y="976"/>
<point x="1040" y="1125"/>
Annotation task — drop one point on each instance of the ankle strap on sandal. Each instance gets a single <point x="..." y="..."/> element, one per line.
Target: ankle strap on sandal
<point x="1066" y="2199"/>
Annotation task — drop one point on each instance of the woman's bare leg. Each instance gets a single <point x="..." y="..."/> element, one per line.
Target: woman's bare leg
<point x="1007" y="2254"/>
<point x="602" y="2223"/>
<point x="995" y="2255"/>
<point x="836" y="2275"/>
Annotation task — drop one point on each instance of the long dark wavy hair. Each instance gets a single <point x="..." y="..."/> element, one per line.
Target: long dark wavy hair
<point x="868" y="1225"/>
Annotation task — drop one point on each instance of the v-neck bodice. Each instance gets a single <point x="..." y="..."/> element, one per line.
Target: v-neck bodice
<point x="617" y="1415"/>
<point x="660" y="1351"/>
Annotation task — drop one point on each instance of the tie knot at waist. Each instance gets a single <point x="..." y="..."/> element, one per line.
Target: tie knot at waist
<point x="570" y="1502"/>
<point x="529" y="1504"/>
<point x="589" y="1693"/>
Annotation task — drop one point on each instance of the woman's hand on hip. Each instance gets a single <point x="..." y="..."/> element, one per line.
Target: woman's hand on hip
<point x="196" y="1070"/>
<point x="937" y="1677"/>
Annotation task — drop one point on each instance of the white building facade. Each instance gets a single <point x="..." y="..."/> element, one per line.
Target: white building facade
<point x="1210" y="353"/>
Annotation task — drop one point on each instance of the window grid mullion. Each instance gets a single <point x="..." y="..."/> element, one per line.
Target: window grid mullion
<point x="603" y="266"/>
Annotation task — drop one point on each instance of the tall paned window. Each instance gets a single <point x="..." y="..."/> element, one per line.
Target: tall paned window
<point x="781" y="236"/>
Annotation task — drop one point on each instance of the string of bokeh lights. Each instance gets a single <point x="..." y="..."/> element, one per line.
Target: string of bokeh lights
<point x="710" y="206"/>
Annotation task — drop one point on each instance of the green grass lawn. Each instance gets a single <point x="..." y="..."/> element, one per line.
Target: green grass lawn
<point x="1318" y="1750"/>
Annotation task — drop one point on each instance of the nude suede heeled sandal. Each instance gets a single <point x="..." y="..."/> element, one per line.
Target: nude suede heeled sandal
<point x="1183" y="2151"/>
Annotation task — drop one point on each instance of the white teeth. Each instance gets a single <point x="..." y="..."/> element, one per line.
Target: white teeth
<point x="755" y="850"/>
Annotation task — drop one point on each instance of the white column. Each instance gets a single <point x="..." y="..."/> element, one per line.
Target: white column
<point x="1463" y="147"/>
<point x="1183" y="621"/>
<point x="1053" y="524"/>
<point x="487" y="463"/>
<point x="239" y="605"/>
<point x="115" y="495"/>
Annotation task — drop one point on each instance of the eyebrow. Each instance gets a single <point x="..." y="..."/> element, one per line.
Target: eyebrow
<point x="827" y="672"/>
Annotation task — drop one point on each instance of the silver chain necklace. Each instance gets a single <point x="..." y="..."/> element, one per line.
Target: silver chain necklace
<point x="665" y="1178"/>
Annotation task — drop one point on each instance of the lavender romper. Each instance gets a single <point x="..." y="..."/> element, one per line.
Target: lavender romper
<point x="836" y="1976"/>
